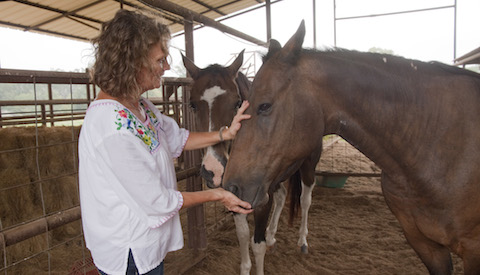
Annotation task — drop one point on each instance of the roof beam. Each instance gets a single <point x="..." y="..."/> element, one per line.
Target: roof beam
<point x="36" y="5"/>
<point x="186" y="13"/>
<point x="18" y="26"/>
<point x="69" y="15"/>
<point x="210" y="8"/>
<point x="165" y="15"/>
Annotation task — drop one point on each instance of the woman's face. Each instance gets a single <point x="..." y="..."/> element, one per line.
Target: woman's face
<point x="151" y="79"/>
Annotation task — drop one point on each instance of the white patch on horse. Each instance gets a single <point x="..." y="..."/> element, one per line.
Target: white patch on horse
<point x="384" y="60"/>
<point x="211" y="163"/>
<point x="209" y="96"/>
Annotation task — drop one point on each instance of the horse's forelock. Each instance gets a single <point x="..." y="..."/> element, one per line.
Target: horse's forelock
<point x="214" y="69"/>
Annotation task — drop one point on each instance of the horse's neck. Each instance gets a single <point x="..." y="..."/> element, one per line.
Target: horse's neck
<point x="367" y="114"/>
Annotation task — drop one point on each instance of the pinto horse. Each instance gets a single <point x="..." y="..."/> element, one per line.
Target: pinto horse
<point x="419" y="122"/>
<point x="216" y="94"/>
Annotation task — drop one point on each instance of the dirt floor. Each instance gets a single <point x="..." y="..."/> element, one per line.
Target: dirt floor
<point x="351" y="231"/>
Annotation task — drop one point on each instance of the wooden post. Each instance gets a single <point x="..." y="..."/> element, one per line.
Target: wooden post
<point x="50" y="97"/>
<point x="44" y="115"/>
<point x="197" y="232"/>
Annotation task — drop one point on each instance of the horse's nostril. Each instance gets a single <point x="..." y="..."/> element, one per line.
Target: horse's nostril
<point x="204" y="173"/>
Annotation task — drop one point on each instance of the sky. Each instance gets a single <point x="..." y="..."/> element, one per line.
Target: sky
<point x="427" y="35"/>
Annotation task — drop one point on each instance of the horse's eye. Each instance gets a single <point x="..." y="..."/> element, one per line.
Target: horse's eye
<point x="238" y="104"/>
<point x="264" y="108"/>
<point x="193" y="106"/>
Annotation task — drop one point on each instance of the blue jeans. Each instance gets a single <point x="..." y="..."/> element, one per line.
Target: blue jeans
<point x="132" y="268"/>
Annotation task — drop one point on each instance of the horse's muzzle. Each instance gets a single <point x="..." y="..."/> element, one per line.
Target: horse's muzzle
<point x="207" y="176"/>
<point x="255" y="196"/>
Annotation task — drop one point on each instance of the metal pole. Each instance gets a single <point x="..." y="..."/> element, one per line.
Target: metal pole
<point x="269" y="20"/>
<point x="455" y="31"/>
<point x="335" y="23"/>
<point x="314" y="24"/>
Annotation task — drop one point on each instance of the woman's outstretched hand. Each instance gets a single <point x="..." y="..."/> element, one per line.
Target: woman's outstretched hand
<point x="236" y="124"/>
<point x="232" y="202"/>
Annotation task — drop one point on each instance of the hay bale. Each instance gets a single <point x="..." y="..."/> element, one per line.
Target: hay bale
<point x="20" y="200"/>
<point x="22" y="162"/>
<point x="60" y="194"/>
<point x="26" y="173"/>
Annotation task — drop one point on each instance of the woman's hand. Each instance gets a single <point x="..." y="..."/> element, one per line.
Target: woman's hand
<point x="232" y="202"/>
<point x="231" y="132"/>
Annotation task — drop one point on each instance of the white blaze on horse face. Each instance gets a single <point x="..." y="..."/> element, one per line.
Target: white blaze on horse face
<point x="211" y="161"/>
<point x="209" y="96"/>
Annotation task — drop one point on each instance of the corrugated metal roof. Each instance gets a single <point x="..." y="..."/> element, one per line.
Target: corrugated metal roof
<point x="82" y="19"/>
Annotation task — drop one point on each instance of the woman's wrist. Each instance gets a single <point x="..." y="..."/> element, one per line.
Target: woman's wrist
<point x="215" y="194"/>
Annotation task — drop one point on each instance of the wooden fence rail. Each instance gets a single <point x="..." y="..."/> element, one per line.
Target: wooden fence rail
<point x="44" y="112"/>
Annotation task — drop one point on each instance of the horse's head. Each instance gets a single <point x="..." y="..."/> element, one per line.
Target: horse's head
<point x="284" y="129"/>
<point x="216" y="94"/>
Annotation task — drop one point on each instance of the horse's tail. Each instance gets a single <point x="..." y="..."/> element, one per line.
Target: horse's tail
<point x="295" y="191"/>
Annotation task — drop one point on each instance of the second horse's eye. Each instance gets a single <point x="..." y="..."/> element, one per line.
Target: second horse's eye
<point x="238" y="104"/>
<point x="193" y="106"/>
<point x="264" y="108"/>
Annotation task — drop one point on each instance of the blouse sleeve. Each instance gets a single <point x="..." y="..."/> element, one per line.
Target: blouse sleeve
<point x="175" y="136"/>
<point x="134" y="177"/>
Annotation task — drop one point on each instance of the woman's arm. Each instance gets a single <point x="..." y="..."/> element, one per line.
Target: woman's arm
<point x="198" y="140"/>
<point x="231" y="202"/>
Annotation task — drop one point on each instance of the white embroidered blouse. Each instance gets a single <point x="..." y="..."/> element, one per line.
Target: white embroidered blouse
<point x="128" y="188"/>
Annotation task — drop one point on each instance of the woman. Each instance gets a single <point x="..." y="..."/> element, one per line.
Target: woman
<point x="128" y="192"/>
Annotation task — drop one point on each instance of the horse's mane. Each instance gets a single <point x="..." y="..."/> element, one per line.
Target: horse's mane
<point x="372" y="58"/>
<point x="455" y="70"/>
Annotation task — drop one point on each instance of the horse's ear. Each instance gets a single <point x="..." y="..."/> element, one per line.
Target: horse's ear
<point x="274" y="46"/>
<point x="294" y="45"/>
<point x="192" y="69"/>
<point x="243" y="86"/>
<point x="237" y="63"/>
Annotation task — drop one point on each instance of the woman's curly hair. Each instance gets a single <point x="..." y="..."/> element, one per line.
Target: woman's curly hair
<point x="122" y="49"/>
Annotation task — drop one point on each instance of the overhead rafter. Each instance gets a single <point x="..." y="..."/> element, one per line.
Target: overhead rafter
<point x="186" y="13"/>
<point x="62" y="12"/>
<point x="82" y="19"/>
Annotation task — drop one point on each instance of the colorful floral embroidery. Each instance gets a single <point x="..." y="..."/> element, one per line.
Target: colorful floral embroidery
<point x="148" y="134"/>
<point x="150" y="113"/>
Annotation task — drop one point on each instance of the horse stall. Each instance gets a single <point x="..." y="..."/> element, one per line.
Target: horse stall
<point x="40" y="220"/>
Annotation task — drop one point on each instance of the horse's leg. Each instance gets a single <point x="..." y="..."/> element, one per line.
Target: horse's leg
<point x="259" y="246"/>
<point x="469" y="250"/>
<point x="279" y="198"/>
<point x="435" y="256"/>
<point x="243" y="235"/>
<point x="306" y="201"/>
<point x="471" y="262"/>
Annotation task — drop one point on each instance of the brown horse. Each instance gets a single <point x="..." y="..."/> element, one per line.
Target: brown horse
<point x="420" y="122"/>
<point x="216" y="94"/>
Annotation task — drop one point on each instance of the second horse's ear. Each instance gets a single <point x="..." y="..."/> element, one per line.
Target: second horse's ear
<point x="244" y="86"/>
<point x="236" y="65"/>
<point x="192" y="69"/>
